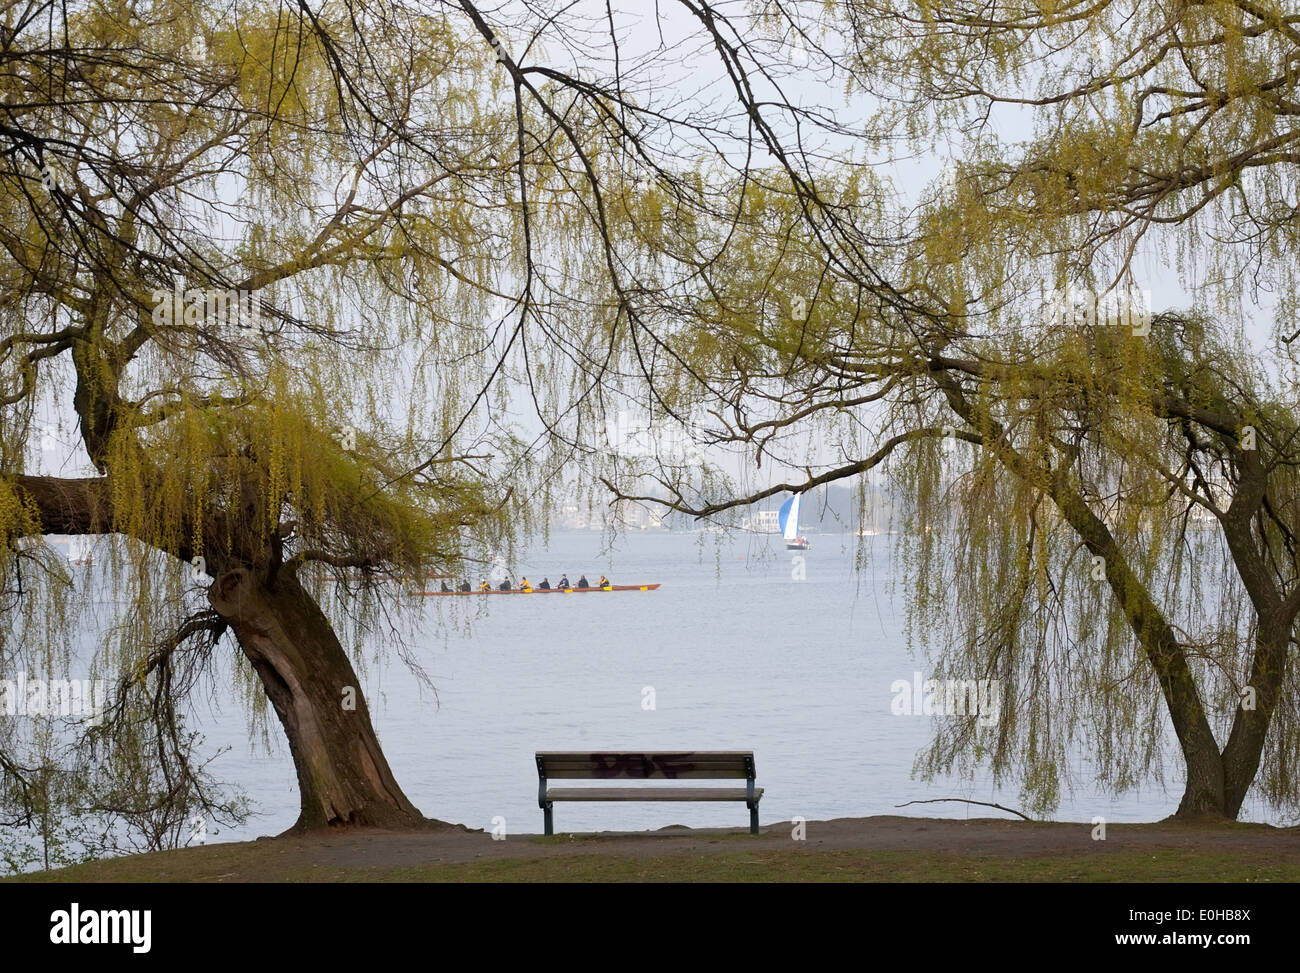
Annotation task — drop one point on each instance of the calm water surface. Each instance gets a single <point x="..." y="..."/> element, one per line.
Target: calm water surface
<point x="738" y="654"/>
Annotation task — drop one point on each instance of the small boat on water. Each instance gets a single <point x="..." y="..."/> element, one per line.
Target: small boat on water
<point x="789" y="520"/>
<point x="547" y="591"/>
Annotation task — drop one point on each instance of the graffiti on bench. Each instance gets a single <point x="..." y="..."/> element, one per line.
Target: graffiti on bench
<point x="641" y="764"/>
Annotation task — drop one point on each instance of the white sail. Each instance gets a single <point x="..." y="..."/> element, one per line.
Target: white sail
<point x="789" y="518"/>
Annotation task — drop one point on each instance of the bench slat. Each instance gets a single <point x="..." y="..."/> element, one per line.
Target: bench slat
<point x="650" y="793"/>
<point x="680" y="765"/>
<point x="620" y="753"/>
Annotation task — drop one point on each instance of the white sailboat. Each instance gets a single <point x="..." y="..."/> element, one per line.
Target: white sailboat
<point x="789" y="519"/>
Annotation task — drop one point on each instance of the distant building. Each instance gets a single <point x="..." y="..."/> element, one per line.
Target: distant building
<point x="572" y="517"/>
<point x="637" y="516"/>
<point x="624" y="514"/>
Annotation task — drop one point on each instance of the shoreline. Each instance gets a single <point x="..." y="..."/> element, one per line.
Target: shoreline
<point x="881" y="848"/>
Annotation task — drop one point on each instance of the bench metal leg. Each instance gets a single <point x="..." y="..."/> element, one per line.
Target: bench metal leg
<point x="753" y="819"/>
<point x="549" y="819"/>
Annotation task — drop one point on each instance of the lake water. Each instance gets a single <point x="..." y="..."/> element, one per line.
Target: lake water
<point x="738" y="655"/>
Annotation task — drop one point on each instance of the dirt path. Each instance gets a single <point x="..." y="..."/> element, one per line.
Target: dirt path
<point x="978" y="837"/>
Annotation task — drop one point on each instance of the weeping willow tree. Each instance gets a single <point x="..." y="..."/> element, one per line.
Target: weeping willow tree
<point x="287" y="276"/>
<point x="1097" y="501"/>
<point x="253" y="266"/>
<point x="290" y="270"/>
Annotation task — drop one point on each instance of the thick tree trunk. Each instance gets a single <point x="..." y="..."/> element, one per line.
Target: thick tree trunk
<point x="1245" y="744"/>
<point x="1203" y="794"/>
<point x="343" y="776"/>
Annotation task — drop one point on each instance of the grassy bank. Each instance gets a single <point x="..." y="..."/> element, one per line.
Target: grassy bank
<point x="268" y="861"/>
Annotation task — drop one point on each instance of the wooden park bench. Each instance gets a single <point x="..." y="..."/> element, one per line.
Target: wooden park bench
<point x="610" y="765"/>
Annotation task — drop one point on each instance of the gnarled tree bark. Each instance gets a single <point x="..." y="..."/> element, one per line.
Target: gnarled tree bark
<point x="343" y="776"/>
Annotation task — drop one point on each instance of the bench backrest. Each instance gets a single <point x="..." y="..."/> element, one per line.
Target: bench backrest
<point x="681" y="765"/>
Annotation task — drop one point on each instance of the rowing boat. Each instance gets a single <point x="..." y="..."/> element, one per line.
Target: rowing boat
<point x="547" y="591"/>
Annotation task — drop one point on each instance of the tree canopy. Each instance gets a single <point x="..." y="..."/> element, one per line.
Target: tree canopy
<point x="322" y="291"/>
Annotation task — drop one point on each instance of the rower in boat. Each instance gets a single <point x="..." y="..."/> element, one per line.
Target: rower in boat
<point x="582" y="582"/>
<point x="445" y="589"/>
<point x="564" y="581"/>
<point x="523" y="583"/>
<point x="604" y="581"/>
<point x="485" y="587"/>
